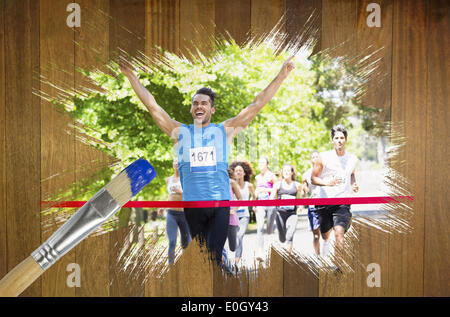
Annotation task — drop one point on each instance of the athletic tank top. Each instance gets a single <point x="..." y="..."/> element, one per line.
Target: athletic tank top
<point x="171" y="184"/>
<point x="234" y="220"/>
<point x="286" y="191"/>
<point x="340" y="167"/>
<point x="314" y="190"/>
<point x="264" y="182"/>
<point x="245" y="193"/>
<point x="203" y="162"/>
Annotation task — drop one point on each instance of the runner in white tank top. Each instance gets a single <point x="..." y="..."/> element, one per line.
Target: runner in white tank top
<point x="264" y="187"/>
<point x="334" y="172"/>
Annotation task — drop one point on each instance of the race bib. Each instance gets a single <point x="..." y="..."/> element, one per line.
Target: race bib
<point x="263" y="196"/>
<point x="285" y="196"/>
<point x="341" y="177"/>
<point x="173" y="189"/>
<point x="203" y="159"/>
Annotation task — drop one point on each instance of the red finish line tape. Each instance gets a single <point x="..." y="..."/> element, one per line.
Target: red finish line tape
<point x="243" y="203"/>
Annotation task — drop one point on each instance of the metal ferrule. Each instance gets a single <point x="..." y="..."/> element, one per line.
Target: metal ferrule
<point x="95" y="212"/>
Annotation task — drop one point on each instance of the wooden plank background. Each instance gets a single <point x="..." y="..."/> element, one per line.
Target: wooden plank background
<point x="372" y="243"/>
<point x="22" y="125"/>
<point x="437" y="235"/>
<point x="56" y="55"/>
<point x="3" y="211"/>
<point x="196" y="26"/>
<point x="413" y="91"/>
<point x="409" y="94"/>
<point x="93" y="42"/>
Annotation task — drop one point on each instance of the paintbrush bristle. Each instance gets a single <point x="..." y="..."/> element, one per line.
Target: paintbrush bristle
<point x="120" y="188"/>
<point x="131" y="181"/>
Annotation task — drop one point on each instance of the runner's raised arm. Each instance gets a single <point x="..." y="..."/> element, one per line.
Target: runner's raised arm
<point x="246" y="116"/>
<point x="163" y="120"/>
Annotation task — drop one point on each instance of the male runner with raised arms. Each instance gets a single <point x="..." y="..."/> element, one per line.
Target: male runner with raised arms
<point x="334" y="172"/>
<point x="203" y="149"/>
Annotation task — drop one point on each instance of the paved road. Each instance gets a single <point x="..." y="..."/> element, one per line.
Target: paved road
<point x="302" y="238"/>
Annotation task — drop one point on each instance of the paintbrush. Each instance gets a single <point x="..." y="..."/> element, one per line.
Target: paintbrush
<point x="95" y="212"/>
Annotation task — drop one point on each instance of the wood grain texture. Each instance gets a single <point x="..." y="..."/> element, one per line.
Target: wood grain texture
<point x="372" y="246"/>
<point x="191" y="276"/>
<point x="92" y="51"/>
<point x="127" y="32"/>
<point x="127" y="27"/>
<point x="265" y="14"/>
<point x="195" y="272"/>
<point x="233" y="17"/>
<point x="370" y="39"/>
<point x="373" y="243"/>
<point x="57" y="137"/>
<point x="339" y="26"/>
<point x="92" y="40"/>
<point x="197" y="27"/>
<point x="22" y="133"/>
<point x="268" y="280"/>
<point x="304" y="19"/>
<point x="409" y="102"/>
<point x="437" y="235"/>
<point x="300" y="279"/>
<point x="126" y="263"/>
<point x="164" y="283"/>
<point x="3" y="236"/>
<point x="92" y="254"/>
<point x="117" y="242"/>
<point x="341" y="283"/>
<point x="162" y="25"/>
<point x="227" y="285"/>
<point x="336" y="284"/>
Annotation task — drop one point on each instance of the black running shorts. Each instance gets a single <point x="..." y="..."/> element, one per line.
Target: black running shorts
<point x="334" y="215"/>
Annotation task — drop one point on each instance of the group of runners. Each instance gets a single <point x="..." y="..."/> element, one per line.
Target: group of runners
<point x="202" y="173"/>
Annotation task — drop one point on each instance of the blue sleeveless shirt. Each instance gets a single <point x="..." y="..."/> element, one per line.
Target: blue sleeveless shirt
<point x="203" y="162"/>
